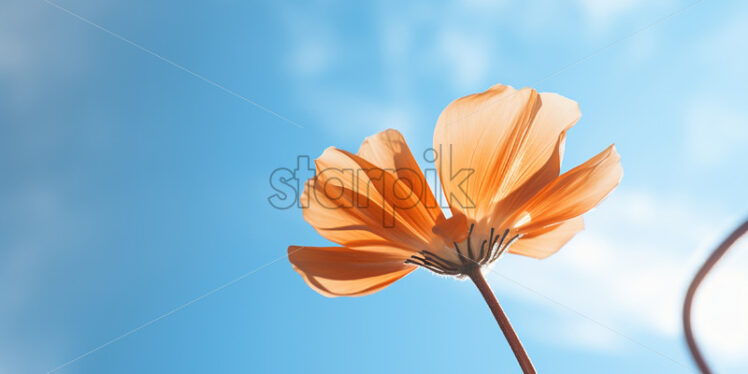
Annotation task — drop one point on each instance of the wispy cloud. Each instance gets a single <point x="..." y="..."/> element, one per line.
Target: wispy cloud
<point x="629" y="270"/>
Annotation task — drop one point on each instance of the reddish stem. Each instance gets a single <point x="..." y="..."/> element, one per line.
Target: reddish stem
<point x="511" y="337"/>
<point x="708" y="265"/>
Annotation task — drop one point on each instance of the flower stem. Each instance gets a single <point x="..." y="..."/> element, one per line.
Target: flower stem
<point x="511" y="337"/>
<point x="698" y="357"/>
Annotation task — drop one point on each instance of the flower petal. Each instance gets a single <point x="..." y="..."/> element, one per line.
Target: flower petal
<point x="341" y="271"/>
<point x="452" y="229"/>
<point x="538" y="160"/>
<point x="358" y="205"/>
<point x="510" y="140"/>
<point x="389" y="151"/>
<point x="547" y="241"/>
<point x="574" y="192"/>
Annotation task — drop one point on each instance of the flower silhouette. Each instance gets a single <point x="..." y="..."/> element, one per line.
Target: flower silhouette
<point x="508" y="145"/>
<point x="502" y="182"/>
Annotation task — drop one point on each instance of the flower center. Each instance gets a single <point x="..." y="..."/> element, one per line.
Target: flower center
<point x="469" y="256"/>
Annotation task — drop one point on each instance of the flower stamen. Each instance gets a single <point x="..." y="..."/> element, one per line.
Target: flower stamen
<point x="490" y="250"/>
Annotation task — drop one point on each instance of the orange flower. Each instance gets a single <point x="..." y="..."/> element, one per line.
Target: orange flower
<point x="500" y="158"/>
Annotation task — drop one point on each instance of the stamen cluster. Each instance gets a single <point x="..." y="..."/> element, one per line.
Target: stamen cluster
<point x="490" y="250"/>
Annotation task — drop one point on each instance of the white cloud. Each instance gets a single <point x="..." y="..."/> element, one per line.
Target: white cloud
<point x="629" y="271"/>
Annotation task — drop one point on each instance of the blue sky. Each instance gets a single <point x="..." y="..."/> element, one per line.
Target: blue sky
<point x="132" y="187"/>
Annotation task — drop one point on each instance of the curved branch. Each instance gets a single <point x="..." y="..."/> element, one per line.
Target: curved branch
<point x="695" y="283"/>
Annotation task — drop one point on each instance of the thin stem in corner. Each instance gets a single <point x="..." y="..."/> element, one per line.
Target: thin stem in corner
<point x="708" y="265"/>
<point x="522" y="358"/>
